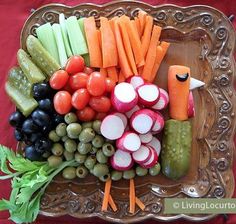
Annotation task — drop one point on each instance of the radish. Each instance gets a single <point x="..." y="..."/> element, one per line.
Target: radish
<point x="153" y="159"/>
<point x="158" y="123"/>
<point x="146" y="138"/>
<point x="142" y="155"/>
<point x="121" y="160"/>
<point x="148" y="94"/>
<point x="112" y="127"/>
<point x="163" y="100"/>
<point x="122" y="117"/>
<point x="142" y="120"/>
<point x="129" y="142"/>
<point x="191" y="109"/>
<point x="136" y="81"/>
<point x="134" y="109"/>
<point x="124" y="97"/>
<point x="155" y="144"/>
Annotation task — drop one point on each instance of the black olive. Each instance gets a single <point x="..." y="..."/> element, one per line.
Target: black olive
<point x="46" y="105"/>
<point x="43" y="145"/>
<point x="40" y="118"/>
<point x="19" y="136"/>
<point x="34" y="137"/>
<point x="16" y="119"/>
<point x="57" y="119"/>
<point x="32" y="154"/>
<point x="29" y="126"/>
<point x="41" y="91"/>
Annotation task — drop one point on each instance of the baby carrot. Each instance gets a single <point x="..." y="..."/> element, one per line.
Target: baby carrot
<point x="145" y="41"/>
<point x="106" y="195"/>
<point x="112" y="73"/>
<point x="131" y="196"/>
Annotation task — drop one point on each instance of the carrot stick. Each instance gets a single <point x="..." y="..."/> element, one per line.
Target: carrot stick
<point x="106" y="195"/>
<point x="139" y="203"/>
<point x="121" y="77"/>
<point x="151" y="54"/>
<point x="164" y="45"/>
<point x="140" y="70"/>
<point x="142" y="19"/>
<point x="138" y="26"/>
<point x="123" y="62"/>
<point x="95" y="53"/>
<point x="99" y="38"/>
<point x="109" y="50"/>
<point x="112" y="203"/>
<point x="112" y="73"/>
<point x="145" y="41"/>
<point x="103" y="71"/>
<point x="131" y="196"/>
<point x="127" y="46"/>
<point x="111" y="21"/>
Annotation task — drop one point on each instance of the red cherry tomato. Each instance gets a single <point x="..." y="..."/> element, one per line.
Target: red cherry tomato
<point x="68" y="88"/>
<point x="75" y="64"/>
<point x="96" y="84"/>
<point x="62" y="102"/>
<point x="80" y="98"/>
<point x="59" y="79"/>
<point x="100" y="116"/>
<point x="100" y="103"/>
<point x="87" y="114"/>
<point x="78" y="80"/>
<point x="110" y="84"/>
<point x="88" y="70"/>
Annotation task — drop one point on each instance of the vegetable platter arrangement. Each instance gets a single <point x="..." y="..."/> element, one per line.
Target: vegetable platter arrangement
<point x="87" y="105"/>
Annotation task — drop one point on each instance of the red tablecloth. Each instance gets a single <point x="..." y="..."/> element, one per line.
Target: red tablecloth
<point x="13" y="13"/>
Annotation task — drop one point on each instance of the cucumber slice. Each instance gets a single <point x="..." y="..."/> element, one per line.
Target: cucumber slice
<point x="60" y="44"/>
<point x="31" y="71"/>
<point x="64" y="34"/>
<point x="81" y="25"/>
<point x="76" y="38"/>
<point x="46" y="37"/>
<point x="41" y="57"/>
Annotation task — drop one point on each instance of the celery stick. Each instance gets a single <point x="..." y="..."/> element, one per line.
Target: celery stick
<point x="64" y="34"/>
<point x="76" y="38"/>
<point x="86" y="59"/>
<point x="46" y="37"/>
<point x="60" y="44"/>
<point x="81" y="25"/>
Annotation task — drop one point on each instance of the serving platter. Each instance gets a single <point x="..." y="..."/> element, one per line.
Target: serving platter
<point x="203" y="39"/>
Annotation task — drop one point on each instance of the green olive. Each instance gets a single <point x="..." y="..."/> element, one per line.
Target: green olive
<point x="116" y="175"/>
<point x="46" y="154"/>
<point x="54" y="161"/>
<point x="105" y="177"/>
<point x="84" y="148"/>
<point x="81" y="172"/>
<point x="100" y="170"/>
<point x="87" y="135"/>
<point x="93" y="150"/>
<point x="53" y="136"/>
<point x="140" y="171"/>
<point x="70" y="118"/>
<point x="68" y="155"/>
<point x="69" y="173"/>
<point x="98" y="141"/>
<point x="96" y="126"/>
<point x="64" y="138"/>
<point x="87" y="125"/>
<point x="90" y="162"/>
<point x="61" y="129"/>
<point x="80" y="158"/>
<point x="73" y="130"/>
<point x="101" y="158"/>
<point x="70" y="145"/>
<point x="108" y="149"/>
<point x="57" y="149"/>
<point x="128" y="174"/>
<point x="155" y="170"/>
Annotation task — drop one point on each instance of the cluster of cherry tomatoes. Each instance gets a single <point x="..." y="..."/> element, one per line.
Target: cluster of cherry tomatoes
<point x="83" y="89"/>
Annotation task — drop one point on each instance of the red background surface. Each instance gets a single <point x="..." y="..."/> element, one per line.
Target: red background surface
<point x="13" y="13"/>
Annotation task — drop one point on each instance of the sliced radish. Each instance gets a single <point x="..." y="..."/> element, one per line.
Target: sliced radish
<point x="112" y="127"/>
<point x="142" y="121"/>
<point x="136" y="81"/>
<point x="148" y="94"/>
<point x="163" y="100"/>
<point x="146" y="138"/>
<point x="158" y="123"/>
<point x="191" y="109"/>
<point x="155" y="144"/>
<point x="129" y="142"/>
<point x="134" y="109"/>
<point x="121" y="160"/>
<point x="142" y="155"/>
<point x="164" y="92"/>
<point x="153" y="159"/>
<point x="124" y="97"/>
<point x="122" y="117"/>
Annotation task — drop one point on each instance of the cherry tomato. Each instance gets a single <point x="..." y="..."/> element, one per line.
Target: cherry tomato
<point x="59" y="79"/>
<point x="100" y="116"/>
<point x="96" y="84"/>
<point x="100" y="103"/>
<point x="75" y="64"/>
<point x="87" y="114"/>
<point x="78" y="80"/>
<point x="68" y="88"/>
<point x="62" y="102"/>
<point x="88" y="70"/>
<point x="80" y="98"/>
<point x="110" y="84"/>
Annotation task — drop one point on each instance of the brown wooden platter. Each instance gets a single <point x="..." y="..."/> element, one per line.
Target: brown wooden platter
<point x="203" y="39"/>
